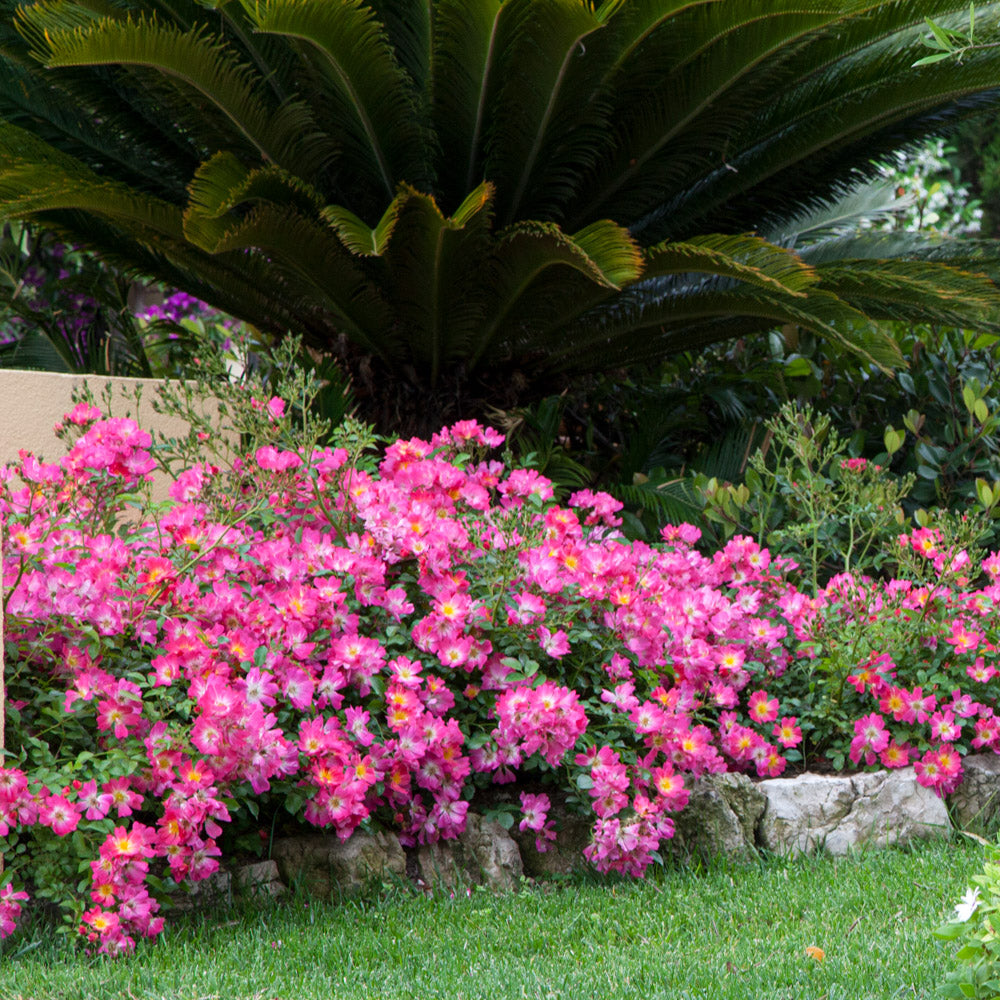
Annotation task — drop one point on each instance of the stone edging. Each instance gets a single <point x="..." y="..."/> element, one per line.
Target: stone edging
<point x="728" y="815"/>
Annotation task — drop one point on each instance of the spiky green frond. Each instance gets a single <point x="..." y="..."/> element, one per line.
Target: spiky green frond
<point x="200" y="61"/>
<point x="540" y="60"/>
<point x="357" y="235"/>
<point x="435" y="267"/>
<point x="310" y="254"/>
<point x="603" y="252"/>
<point x="37" y="352"/>
<point x="35" y="177"/>
<point x="223" y="184"/>
<point x="377" y="100"/>
<point x="646" y="322"/>
<point x="914" y="290"/>
<point x="843" y="215"/>
<point x="468" y="40"/>
<point x="543" y="275"/>
<point x="135" y="152"/>
<point x="745" y="258"/>
<point x="679" y="98"/>
<point x="970" y="254"/>
<point x="672" y="501"/>
<point x="409" y="26"/>
<point x="852" y="97"/>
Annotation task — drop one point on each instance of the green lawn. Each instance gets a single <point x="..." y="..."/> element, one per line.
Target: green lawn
<point x="721" y="932"/>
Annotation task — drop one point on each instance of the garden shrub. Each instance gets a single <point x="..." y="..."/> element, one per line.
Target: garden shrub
<point x="975" y="926"/>
<point x="365" y="638"/>
<point x="652" y="442"/>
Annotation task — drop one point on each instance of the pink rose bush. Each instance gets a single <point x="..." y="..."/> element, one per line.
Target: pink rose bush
<point x="360" y="642"/>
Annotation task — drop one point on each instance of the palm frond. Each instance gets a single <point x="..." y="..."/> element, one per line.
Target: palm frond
<point x="102" y="140"/>
<point x="467" y="41"/>
<point x="311" y="255"/>
<point x="410" y="27"/>
<point x="223" y="184"/>
<point x="683" y="94"/>
<point x="357" y="235"/>
<point x="28" y="187"/>
<point x="844" y="109"/>
<point x="744" y="258"/>
<point x="540" y="60"/>
<point x="379" y="104"/>
<point x="967" y="253"/>
<point x="914" y="290"/>
<point x="842" y="215"/>
<point x="200" y="61"/>
<point x="436" y="268"/>
<point x="37" y="352"/>
<point x="639" y="325"/>
<point x="670" y="501"/>
<point x="532" y="264"/>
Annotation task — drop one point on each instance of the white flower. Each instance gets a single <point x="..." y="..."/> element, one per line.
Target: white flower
<point x="967" y="906"/>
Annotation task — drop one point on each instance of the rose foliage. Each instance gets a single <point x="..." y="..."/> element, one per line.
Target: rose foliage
<point x="371" y="640"/>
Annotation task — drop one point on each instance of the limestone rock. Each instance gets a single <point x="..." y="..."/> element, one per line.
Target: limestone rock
<point x="839" y="813"/>
<point x="259" y="879"/>
<point x="215" y="890"/>
<point x="565" y="854"/>
<point x="484" y="854"/>
<point x="975" y="804"/>
<point x="720" y="819"/>
<point x="327" y="866"/>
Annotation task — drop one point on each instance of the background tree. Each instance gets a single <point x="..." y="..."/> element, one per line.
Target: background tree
<point x="469" y="201"/>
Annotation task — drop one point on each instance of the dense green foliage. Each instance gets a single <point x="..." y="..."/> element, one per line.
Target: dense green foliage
<point x="471" y="201"/>
<point x="657" y="439"/>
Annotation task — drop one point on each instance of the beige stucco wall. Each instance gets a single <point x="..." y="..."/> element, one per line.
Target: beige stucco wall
<point x="31" y="403"/>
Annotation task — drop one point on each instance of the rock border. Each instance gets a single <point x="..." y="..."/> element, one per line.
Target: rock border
<point x="729" y="815"/>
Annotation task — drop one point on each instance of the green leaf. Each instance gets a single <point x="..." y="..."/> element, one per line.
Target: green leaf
<point x="798" y="368"/>
<point x="968" y="397"/>
<point x="942" y="37"/>
<point x="928" y="60"/>
<point x="505" y="819"/>
<point x="984" y="493"/>
<point x="893" y="440"/>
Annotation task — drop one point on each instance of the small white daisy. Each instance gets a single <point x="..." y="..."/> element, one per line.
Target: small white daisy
<point x="968" y="905"/>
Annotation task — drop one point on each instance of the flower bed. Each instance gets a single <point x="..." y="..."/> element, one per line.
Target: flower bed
<point x="349" y="641"/>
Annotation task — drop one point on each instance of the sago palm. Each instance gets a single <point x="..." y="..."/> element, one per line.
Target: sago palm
<point x="469" y="200"/>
